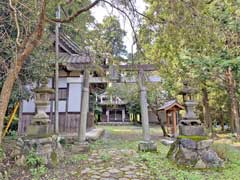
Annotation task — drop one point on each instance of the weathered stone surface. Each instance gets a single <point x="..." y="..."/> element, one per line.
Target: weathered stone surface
<point x="188" y="143"/>
<point x="106" y="174"/>
<point x="48" y="148"/>
<point x="204" y="144"/>
<point x="188" y="154"/>
<point x="147" y="146"/>
<point x="94" y="134"/>
<point x="80" y="147"/>
<point x="113" y="171"/>
<point x="194" y="154"/>
<point x="167" y="142"/>
<point x="85" y="171"/>
<point x="37" y="130"/>
<point x="200" y="164"/>
<point x="211" y="158"/>
<point x="191" y="130"/>
<point x="21" y="161"/>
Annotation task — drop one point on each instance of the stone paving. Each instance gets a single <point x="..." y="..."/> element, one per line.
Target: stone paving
<point x="114" y="165"/>
<point x="103" y="164"/>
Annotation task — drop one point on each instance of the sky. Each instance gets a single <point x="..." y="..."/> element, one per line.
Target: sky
<point x="100" y="12"/>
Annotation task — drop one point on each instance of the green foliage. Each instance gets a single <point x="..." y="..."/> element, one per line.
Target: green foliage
<point x="161" y="167"/>
<point x="34" y="160"/>
<point x="197" y="41"/>
<point x="36" y="165"/>
<point x="13" y="134"/>
<point x="228" y="153"/>
<point x="38" y="172"/>
<point x="107" y="39"/>
<point x="105" y="157"/>
<point x="77" y="158"/>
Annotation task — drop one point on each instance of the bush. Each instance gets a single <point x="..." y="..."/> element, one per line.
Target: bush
<point x="36" y="165"/>
<point x="12" y="134"/>
<point x="33" y="160"/>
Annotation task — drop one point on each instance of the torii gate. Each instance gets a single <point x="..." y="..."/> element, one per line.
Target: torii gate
<point x="146" y="144"/>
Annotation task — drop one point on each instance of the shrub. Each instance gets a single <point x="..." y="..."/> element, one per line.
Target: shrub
<point x="36" y="165"/>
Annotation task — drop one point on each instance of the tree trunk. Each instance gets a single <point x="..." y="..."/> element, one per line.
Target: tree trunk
<point x="206" y="109"/>
<point x="231" y="86"/>
<point x="162" y="126"/>
<point x="29" y="44"/>
<point x="154" y="110"/>
<point x="222" y="119"/>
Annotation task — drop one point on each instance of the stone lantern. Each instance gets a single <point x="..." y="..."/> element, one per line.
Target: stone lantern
<point x="189" y="125"/>
<point x="39" y="138"/>
<point x="193" y="148"/>
<point x="40" y="122"/>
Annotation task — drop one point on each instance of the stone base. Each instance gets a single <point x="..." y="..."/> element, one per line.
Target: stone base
<point x="80" y="147"/>
<point x="194" y="154"/>
<point x="94" y="134"/>
<point x="147" y="146"/>
<point x="47" y="148"/>
<point x="191" y="130"/>
<point x="34" y="130"/>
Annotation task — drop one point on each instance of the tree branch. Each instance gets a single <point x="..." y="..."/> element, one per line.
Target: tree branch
<point x="16" y="21"/>
<point x="70" y="18"/>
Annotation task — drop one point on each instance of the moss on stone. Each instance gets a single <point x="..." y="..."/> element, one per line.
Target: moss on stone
<point x="54" y="159"/>
<point x="194" y="138"/>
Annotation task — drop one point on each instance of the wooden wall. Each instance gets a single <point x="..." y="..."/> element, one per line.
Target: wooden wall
<point x="66" y="125"/>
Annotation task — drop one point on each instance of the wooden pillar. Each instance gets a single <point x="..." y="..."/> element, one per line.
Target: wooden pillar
<point x="107" y="114"/>
<point x="167" y="120"/>
<point x="123" y="115"/>
<point x="56" y="129"/>
<point x="174" y="122"/>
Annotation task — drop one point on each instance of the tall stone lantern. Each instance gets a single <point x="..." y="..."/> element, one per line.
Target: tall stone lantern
<point x="39" y="138"/>
<point x="193" y="148"/>
<point x="40" y="122"/>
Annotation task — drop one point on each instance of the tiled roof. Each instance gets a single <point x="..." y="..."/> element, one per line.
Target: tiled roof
<point x="67" y="41"/>
<point x="74" y="58"/>
<point x="170" y="104"/>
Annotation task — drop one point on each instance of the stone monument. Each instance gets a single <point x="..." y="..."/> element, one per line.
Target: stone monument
<point x="192" y="147"/>
<point x="39" y="137"/>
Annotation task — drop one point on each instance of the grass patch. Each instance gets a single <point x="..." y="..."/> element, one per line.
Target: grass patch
<point x="77" y="158"/>
<point x="162" y="168"/>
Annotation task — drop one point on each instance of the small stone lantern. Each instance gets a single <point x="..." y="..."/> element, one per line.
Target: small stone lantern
<point x="40" y="122"/>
